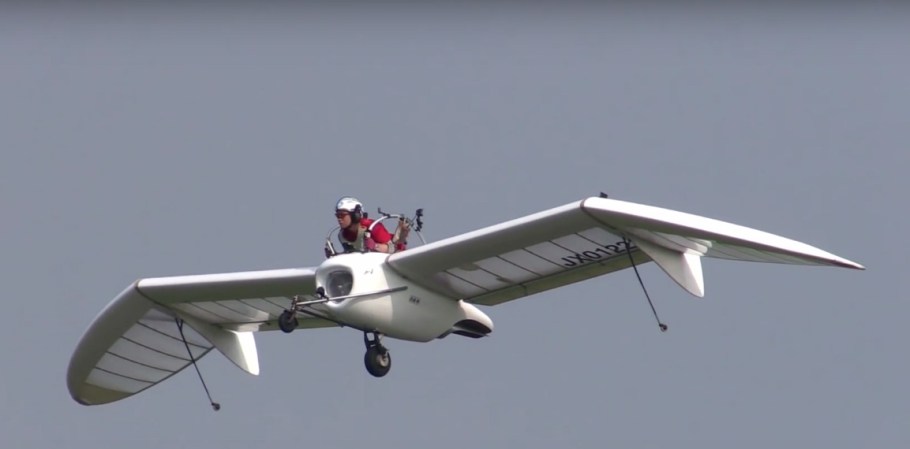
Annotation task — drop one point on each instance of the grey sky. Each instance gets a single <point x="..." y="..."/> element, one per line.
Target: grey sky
<point x="142" y="142"/>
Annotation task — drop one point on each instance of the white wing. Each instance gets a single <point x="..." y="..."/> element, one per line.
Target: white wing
<point x="135" y="342"/>
<point x="585" y="239"/>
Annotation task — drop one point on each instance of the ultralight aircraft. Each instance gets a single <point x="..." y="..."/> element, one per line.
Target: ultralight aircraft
<point x="157" y="327"/>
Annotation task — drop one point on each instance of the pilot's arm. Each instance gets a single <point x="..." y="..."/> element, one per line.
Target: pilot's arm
<point x="379" y="239"/>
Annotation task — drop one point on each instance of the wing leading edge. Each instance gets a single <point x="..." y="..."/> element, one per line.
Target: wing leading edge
<point x="135" y="342"/>
<point x="585" y="239"/>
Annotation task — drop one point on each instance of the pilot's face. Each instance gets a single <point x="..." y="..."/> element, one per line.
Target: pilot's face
<point x="344" y="218"/>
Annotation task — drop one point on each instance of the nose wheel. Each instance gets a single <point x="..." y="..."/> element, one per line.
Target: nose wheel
<point x="377" y="359"/>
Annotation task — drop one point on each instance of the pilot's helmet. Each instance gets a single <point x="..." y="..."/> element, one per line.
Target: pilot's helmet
<point x="350" y="205"/>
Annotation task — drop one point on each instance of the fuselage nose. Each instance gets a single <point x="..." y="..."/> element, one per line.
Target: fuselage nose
<point x="378" y="299"/>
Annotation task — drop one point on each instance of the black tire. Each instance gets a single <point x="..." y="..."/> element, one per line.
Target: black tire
<point x="378" y="361"/>
<point x="287" y="321"/>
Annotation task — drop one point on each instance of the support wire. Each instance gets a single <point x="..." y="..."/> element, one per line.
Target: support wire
<point x="215" y="406"/>
<point x="663" y="327"/>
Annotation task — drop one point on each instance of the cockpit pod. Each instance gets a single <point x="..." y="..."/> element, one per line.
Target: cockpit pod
<point x="365" y="293"/>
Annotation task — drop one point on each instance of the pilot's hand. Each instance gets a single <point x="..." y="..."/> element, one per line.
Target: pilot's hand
<point x="369" y="244"/>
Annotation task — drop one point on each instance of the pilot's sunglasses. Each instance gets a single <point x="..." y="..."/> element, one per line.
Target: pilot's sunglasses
<point x="341" y="214"/>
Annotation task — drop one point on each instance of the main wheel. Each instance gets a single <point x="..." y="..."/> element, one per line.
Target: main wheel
<point x="377" y="360"/>
<point x="287" y="321"/>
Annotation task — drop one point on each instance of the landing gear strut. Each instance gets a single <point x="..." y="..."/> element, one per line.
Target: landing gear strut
<point x="377" y="359"/>
<point x="287" y="321"/>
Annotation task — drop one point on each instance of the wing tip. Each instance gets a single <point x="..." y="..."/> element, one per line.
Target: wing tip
<point x="819" y="256"/>
<point x="849" y="264"/>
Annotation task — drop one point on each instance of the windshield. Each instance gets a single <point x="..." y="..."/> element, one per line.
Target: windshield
<point x="339" y="283"/>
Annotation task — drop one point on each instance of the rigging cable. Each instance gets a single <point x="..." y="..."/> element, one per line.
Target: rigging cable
<point x="215" y="406"/>
<point x="663" y="327"/>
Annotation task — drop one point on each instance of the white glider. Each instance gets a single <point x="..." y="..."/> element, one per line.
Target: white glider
<point x="158" y="326"/>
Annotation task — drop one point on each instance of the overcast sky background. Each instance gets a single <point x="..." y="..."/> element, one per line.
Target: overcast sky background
<point x="152" y="141"/>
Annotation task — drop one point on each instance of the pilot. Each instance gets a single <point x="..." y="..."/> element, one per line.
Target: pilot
<point x="354" y="226"/>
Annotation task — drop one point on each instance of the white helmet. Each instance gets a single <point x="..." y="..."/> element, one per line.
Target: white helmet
<point x="352" y="206"/>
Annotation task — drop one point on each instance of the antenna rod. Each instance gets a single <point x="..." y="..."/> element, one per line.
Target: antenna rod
<point x="215" y="406"/>
<point x="663" y="327"/>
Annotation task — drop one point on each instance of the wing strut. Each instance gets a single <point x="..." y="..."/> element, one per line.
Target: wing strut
<point x="215" y="406"/>
<point x="663" y="327"/>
